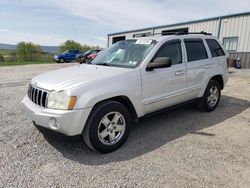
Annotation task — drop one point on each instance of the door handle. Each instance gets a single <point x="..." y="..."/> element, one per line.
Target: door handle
<point x="180" y="72"/>
<point x="206" y="66"/>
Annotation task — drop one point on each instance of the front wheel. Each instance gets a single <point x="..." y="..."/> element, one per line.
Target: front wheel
<point x="211" y="97"/>
<point x="107" y="127"/>
<point x="61" y="60"/>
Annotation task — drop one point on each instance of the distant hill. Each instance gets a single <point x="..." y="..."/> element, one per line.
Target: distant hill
<point x="48" y="49"/>
<point x="7" y="46"/>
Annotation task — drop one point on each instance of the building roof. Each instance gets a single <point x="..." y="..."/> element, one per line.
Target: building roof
<point x="181" y="23"/>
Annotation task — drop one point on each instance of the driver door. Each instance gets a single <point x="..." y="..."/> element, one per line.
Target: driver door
<point x="164" y="87"/>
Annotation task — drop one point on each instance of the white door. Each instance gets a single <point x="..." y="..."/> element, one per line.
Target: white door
<point x="164" y="87"/>
<point x="198" y="65"/>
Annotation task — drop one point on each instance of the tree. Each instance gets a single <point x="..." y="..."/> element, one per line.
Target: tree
<point x="86" y="48"/>
<point x="1" y="58"/>
<point x="70" y="45"/>
<point x="28" y="51"/>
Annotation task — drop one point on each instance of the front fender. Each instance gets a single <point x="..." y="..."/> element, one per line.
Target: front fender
<point x="90" y="95"/>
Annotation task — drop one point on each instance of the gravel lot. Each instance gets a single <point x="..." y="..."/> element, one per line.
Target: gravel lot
<point x="178" y="148"/>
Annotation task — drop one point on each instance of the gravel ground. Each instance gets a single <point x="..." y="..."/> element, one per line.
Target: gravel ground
<point x="178" y="148"/>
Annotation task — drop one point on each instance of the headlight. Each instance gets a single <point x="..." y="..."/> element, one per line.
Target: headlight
<point x="61" y="100"/>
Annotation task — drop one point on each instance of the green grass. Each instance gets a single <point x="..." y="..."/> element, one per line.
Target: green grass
<point x="22" y="63"/>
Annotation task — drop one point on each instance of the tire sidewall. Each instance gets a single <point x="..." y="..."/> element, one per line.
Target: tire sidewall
<point x="95" y="119"/>
<point x="61" y="60"/>
<point x="206" y="95"/>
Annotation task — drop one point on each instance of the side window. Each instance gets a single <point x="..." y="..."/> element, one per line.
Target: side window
<point x="215" y="48"/>
<point x="171" y="50"/>
<point x="195" y="49"/>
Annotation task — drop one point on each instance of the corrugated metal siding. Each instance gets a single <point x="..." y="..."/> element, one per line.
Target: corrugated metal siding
<point x="127" y="35"/>
<point x="234" y="26"/>
<point x="208" y="26"/>
<point x="237" y="26"/>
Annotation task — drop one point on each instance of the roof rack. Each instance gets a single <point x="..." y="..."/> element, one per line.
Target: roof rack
<point x="199" y="33"/>
<point x="177" y="33"/>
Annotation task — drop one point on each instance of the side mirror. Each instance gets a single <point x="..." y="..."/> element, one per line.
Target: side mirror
<point x="160" y="62"/>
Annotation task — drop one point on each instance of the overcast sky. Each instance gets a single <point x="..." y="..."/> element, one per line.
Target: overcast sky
<point x="51" y="22"/>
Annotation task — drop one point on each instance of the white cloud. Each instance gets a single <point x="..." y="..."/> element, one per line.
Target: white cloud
<point x="13" y="37"/>
<point x="108" y="16"/>
<point x="2" y="30"/>
<point x="128" y="14"/>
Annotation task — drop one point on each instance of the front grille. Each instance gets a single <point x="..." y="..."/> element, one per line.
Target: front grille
<point x="37" y="95"/>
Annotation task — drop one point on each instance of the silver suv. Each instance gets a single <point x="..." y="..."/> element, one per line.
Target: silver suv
<point x="131" y="79"/>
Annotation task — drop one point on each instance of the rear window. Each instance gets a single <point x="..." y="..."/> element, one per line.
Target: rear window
<point x="215" y="48"/>
<point x="195" y="49"/>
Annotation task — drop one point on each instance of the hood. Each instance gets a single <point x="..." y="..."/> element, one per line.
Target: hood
<point x="67" y="78"/>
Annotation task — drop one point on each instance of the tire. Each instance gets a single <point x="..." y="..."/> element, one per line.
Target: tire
<point x="61" y="60"/>
<point x="107" y="127"/>
<point x="211" y="98"/>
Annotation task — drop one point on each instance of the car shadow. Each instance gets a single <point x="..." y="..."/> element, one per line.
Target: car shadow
<point x="150" y="133"/>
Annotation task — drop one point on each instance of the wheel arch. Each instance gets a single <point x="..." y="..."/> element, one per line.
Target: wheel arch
<point x="217" y="78"/>
<point x="125" y="101"/>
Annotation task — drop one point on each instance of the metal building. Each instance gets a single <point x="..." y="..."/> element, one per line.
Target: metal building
<point x="232" y="30"/>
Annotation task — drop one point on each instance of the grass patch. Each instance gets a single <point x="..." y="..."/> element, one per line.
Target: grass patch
<point x="23" y="63"/>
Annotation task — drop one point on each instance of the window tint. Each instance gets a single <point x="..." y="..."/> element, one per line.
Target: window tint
<point x="171" y="50"/>
<point x="215" y="48"/>
<point x="195" y="49"/>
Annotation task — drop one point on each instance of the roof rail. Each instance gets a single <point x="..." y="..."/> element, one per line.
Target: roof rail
<point x="177" y="33"/>
<point x="186" y="33"/>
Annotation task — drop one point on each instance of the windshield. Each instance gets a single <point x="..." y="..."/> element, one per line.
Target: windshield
<point x="87" y="52"/>
<point x="127" y="53"/>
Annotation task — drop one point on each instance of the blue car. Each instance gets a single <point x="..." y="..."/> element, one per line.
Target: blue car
<point x="66" y="56"/>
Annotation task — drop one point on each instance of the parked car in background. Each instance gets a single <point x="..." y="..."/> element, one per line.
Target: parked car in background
<point x="87" y="56"/>
<point x="67" y="56"/>
<point x="91" y="57"/>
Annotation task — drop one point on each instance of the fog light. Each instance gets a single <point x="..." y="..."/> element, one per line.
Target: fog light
<point x="53" y="123"/>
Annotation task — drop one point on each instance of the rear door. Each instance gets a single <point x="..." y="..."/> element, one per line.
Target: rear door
<point x="218" y="57"/>
<point x="165" y="86"/>
<point x="198" y="65"/>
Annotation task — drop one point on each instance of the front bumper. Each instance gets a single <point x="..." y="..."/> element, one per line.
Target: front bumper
<point x="68" y="122"/>
<point x="56" y="60"/>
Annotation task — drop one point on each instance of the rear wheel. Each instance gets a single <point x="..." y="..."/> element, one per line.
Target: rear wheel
<point x="211" y="97"/>
<point x="107" y="127"/>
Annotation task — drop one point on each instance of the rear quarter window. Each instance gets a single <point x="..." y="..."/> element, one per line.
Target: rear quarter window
<point x="195" y="49"/>
<point x="215" y="48"/>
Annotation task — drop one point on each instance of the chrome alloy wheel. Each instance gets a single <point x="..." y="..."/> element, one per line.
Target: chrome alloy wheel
<point x="213" y="96"/>
<point x="111" y="128"/>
